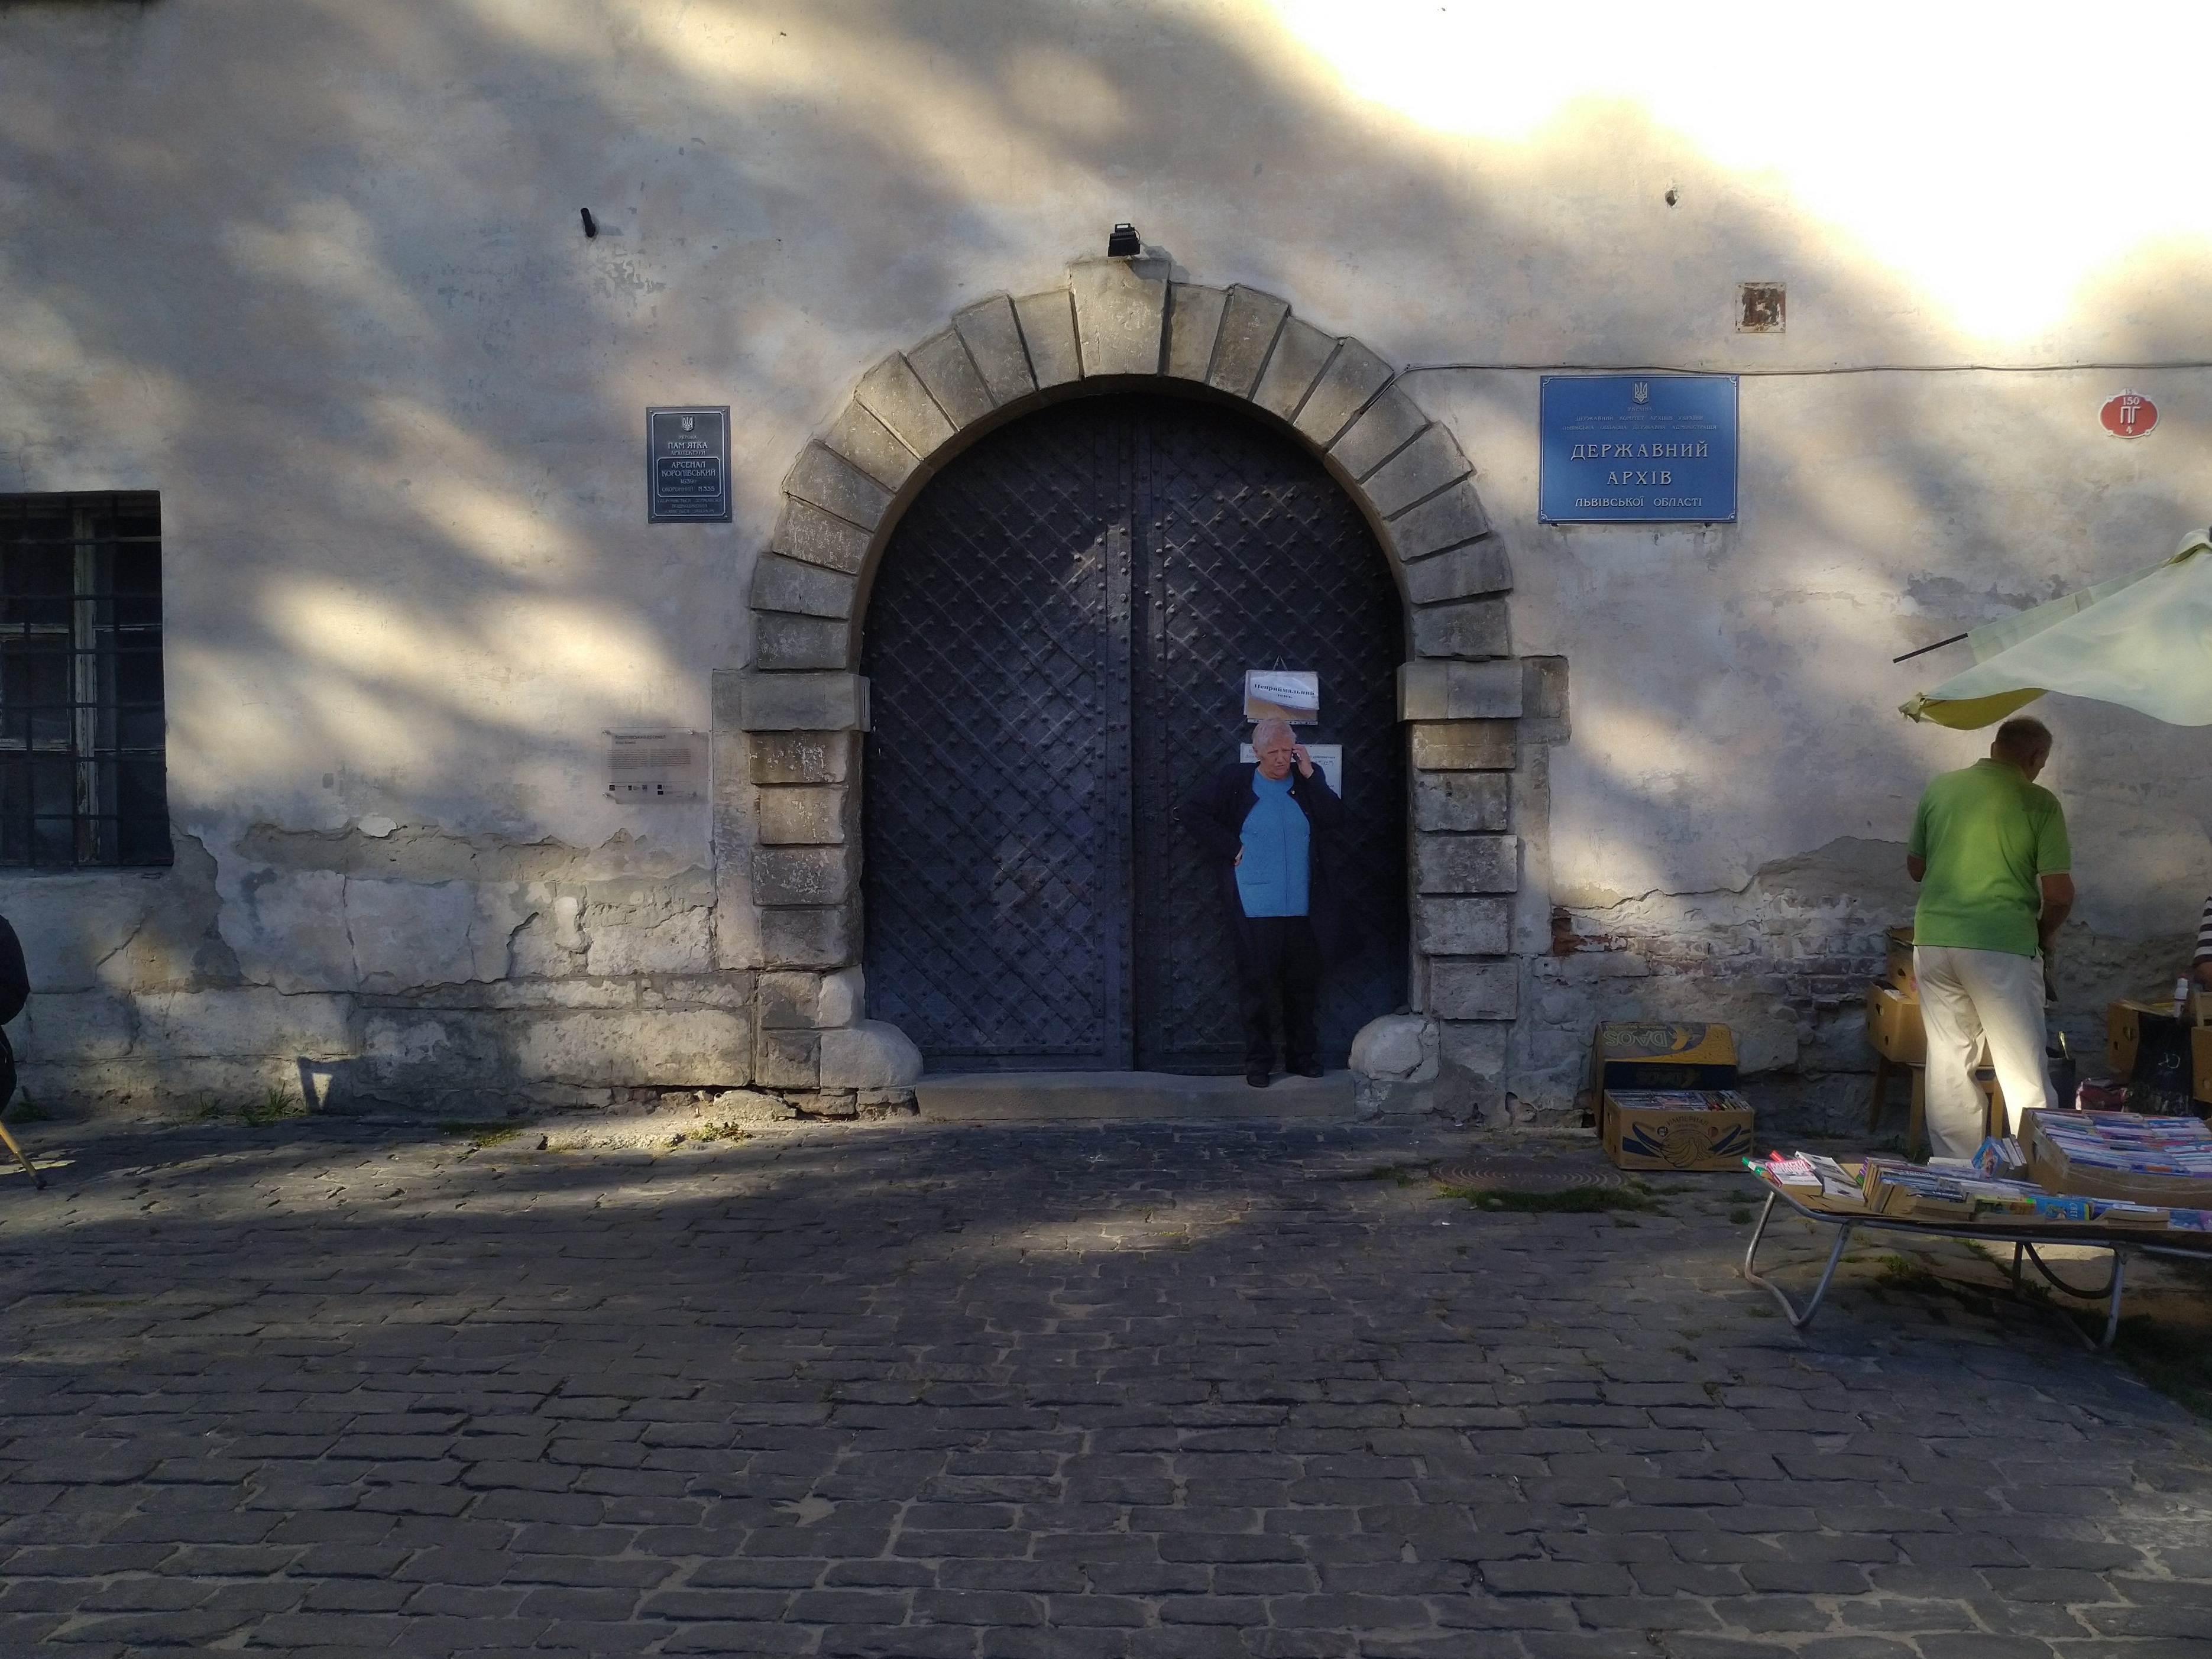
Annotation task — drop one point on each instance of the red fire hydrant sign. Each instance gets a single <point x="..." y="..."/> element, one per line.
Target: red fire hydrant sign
<point x="2129" y="415"/>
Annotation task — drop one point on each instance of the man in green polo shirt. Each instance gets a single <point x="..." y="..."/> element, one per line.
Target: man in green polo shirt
<point x="1989" y="850"/>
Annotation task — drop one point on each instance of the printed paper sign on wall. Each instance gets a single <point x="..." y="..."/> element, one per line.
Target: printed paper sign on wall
<point x="656" y="765"/>
<point x="1637" y="448"/>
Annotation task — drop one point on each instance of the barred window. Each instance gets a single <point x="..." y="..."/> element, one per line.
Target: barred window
<point x="82" y="781"/>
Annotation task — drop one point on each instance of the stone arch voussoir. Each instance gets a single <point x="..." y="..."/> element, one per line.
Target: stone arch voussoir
<point x="791" y="729"/>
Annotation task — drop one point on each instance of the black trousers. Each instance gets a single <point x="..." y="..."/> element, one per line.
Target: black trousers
<point x="1278" y="963"/>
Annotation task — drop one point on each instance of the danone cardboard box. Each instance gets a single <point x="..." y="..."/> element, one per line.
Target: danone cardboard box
<point x="1893" y="1024"/>
<point x="1675" y="1129"/>
<point x="1635" y="1055"/>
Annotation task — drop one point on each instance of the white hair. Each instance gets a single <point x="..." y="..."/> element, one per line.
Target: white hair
<point x="1269" y="728"/>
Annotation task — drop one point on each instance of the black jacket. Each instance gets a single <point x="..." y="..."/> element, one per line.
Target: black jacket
<point x="1214" y="813"/>
<point x="15" y="991"/>
<point x="15" y="979"/>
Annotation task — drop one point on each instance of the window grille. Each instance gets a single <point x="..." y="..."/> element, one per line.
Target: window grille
<point x="82" y="780"/>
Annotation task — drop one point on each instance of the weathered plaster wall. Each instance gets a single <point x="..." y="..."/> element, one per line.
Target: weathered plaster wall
<point x="1735" y="703"/>
<point x="314" y="270"/>
<point x="405" y="966"/>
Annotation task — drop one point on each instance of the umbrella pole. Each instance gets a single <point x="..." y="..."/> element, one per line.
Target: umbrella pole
<point x="1925" y="649"/>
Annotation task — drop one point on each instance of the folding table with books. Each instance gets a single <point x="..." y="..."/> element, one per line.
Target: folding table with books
<point x="2108" y="1179"/>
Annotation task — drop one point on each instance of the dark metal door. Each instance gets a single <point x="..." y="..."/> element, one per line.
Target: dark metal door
<point x="1251" y="557"/>
<point x="995" y="785"/>
<point x="1057" y="641"/>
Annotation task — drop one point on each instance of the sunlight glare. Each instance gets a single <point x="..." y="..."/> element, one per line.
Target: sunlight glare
<point x="1995" y="155"/>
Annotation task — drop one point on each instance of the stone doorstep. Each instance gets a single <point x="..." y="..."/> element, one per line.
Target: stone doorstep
<point x="1049" y="1096"/>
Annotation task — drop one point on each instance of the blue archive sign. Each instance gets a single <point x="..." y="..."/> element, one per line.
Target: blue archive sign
<point x="687" y="460"/>
<point x="1637" y="448"/>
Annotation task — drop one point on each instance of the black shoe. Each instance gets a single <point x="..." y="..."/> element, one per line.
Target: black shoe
<point x="1257" y="1077"/>
<point x="1307" y="1070"/>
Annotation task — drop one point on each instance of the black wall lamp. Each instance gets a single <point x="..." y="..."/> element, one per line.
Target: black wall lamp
<point x="591" y="225"/>
<point x="1123" y="243"/>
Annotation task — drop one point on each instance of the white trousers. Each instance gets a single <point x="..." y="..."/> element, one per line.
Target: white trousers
<point x="1967" y="996"/>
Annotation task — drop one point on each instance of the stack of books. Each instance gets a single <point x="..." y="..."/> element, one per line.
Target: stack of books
<point x="1961" y="1193"/>
<point x="1808" y="1174"/>
<point x="2002" y="1156"/>
<point x="1680" y="1100"/>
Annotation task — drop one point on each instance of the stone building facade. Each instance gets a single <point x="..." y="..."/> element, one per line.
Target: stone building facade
<point x="318" y="285"/>
<point x="788" y="724"/>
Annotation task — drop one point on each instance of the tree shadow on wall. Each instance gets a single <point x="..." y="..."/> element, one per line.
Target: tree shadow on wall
<point x="315" y="272"/>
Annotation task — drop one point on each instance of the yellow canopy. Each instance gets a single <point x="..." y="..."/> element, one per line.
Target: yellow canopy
<point x="2144" y="640"/>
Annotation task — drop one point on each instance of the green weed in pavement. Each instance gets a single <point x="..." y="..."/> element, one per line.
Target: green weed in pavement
<point x="1396" y="1173"/>
<point x="2177" y="1362"/>
<point x="278" y="1102"/>
<point x="481" y="1135"/>
<point x="1902" y="1272"/>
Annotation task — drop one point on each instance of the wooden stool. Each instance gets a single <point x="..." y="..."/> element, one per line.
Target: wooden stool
<point x="1916" y="1123"/>
<point x="1996" y="1121"/>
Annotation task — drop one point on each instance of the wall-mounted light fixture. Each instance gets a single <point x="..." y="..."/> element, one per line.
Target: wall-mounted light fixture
<point x="1123" y="243"/>
<point x="591" y="225"/>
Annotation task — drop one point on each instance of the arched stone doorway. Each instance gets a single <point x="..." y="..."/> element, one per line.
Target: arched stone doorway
<point x="788" y="726"/>
<point x="1056" y="649"/>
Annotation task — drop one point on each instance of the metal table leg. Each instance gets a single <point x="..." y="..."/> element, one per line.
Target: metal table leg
<point x="37" y="1177"/>
<point x="2111" y="1288"/>
<point x="1798" y="1320"/>
<point x="2058" y="1283"/>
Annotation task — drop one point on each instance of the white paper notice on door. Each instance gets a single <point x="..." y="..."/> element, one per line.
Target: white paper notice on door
<point x="1282" y="693"/>
<point x="1327" y="756"/>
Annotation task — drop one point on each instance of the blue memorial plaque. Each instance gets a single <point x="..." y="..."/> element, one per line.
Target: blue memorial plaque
<point x="1636" y="449"/>
<point x="687" y="465"/>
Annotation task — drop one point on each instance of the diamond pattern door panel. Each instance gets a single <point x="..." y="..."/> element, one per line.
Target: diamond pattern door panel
<point x="994" y="789"/>
<point x="1253" y="558"/>
<point x="1056" y="641"/>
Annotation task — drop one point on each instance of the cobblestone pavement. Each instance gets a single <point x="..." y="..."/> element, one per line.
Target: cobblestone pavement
<point x="1142" y="1390"/>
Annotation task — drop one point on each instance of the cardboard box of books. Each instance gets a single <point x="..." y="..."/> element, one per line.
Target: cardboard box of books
<point x="1640" y="1055"/>
<point x="1675" y="1129"/>
<point x="1893" y="1024"/>
<point x="2145" y="1160"/>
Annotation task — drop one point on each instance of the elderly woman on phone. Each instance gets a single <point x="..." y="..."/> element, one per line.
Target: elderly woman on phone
<point x="1267" y="826"/>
